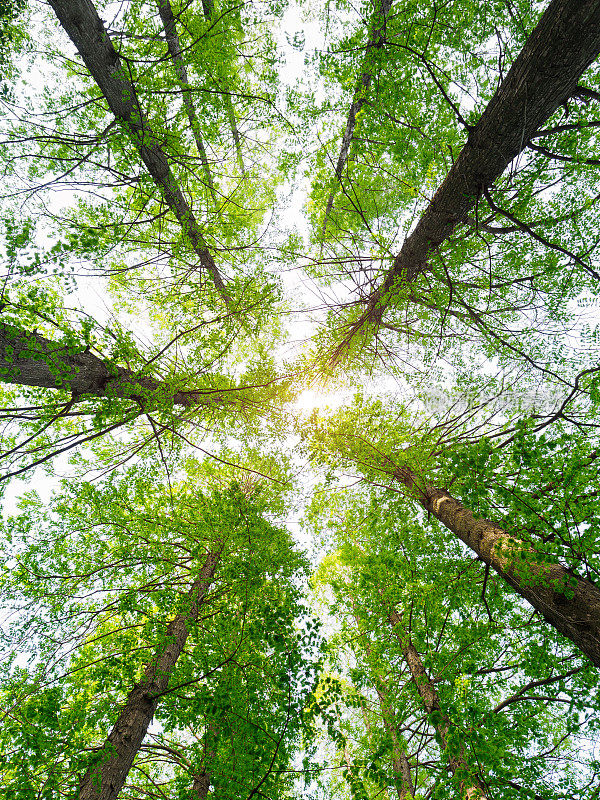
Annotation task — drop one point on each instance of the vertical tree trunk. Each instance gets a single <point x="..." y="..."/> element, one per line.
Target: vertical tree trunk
<point x="106" y="777"/>
<point x="569" y="603"/>
<point x="86" y="30"/>
<point x="400" y="764"/>
<point x="235" y="131"/>
<point x="471" y="787"/>
<point x="170" y="28"/>
<point x="201" y="787"/>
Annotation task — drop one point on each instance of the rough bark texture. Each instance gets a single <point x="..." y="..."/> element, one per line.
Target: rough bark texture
<point x="170" y="28"/>
<point x="470" y="788"/>
<point x="569" y="603"/>
<point x="376" y="40"/>
<point x="86" y="30"/>
<point x="201" y="787"/>
<point x="29" y="359"/>
<point x="562" y="46"/>
<point x="105" y="779"/>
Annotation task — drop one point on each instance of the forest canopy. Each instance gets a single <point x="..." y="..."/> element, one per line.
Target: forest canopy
<point x="300" y="400"/>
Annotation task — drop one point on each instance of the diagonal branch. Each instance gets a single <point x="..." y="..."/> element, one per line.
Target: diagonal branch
<point x="86" y="30"/>
<point x="376" y="40"/>
<point x="569" y="603"/>
<point x="170" y="28"/>
<point x="564" y="43"/>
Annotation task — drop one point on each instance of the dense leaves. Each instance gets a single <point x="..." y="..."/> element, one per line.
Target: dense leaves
<point x="218" y="220"/>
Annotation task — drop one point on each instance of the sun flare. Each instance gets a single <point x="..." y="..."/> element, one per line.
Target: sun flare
<point x="310" y="399"/>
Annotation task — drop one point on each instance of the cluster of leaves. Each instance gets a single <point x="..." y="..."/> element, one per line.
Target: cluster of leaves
<point x="96" y="576"/>
<point x="97" y="573"/>
<point x="509" y="690"/>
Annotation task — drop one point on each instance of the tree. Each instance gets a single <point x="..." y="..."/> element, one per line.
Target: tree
<point x="473" y="707"/>
<point x="119" y="561"/>
<point x="158" y="644"/>
<point x="468" y="286"/>
<point x="566" y="599"/>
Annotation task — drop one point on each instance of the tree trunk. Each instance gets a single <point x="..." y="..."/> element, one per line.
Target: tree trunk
<point x="29" y="359"/>
<point x="235" y="131"/>
<point x="400" y="763"/>
<point x="564" y="43"/>
<point x="201" y="787"/>
<point x="384" y="792"/>
<point x="569" y="603"/>
<point x="376" y="40"/>
<point x="106" y="777"/>
<point x="86" y="30"/>
<point x="471" y="788"/>
<point x="208" y="9"/>
<point x="170" y="28"/>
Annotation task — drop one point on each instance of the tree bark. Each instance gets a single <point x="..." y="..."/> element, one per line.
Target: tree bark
<point x="86" y="30"/>
<point x="29" y="359"/>
<point x="400" y="763"/>
<point x="569" y="603"/>
<point x="376" y="40"/>
<point x="564" y="43"/>
<point x="106" y="777"/>
<point x="201" y="787"/>
<point x="471" y="788"/>
<point x="170" y="28"/>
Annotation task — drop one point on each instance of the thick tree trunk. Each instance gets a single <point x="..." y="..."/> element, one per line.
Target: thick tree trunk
<point x="470" y="787"/>
<point x="201" y="787"/>
<point x="170" y="28"/>
<point x="86" y="30"/>
<point x="105" y="779"/>
<point x="29" y="359"/>
<point x="376" y="40"/>
<point x="562" y="46"/>
<point x="569" y="603"/>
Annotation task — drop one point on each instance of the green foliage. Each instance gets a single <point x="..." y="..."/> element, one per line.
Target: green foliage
<point x="478" y="377"/>
<point x="484" y="659"/>
<point x="96" y="578"/>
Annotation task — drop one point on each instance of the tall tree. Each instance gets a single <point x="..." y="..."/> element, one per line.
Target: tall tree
<point x="118" y="562"/>
<point x="476" y="674"/>
<point x="152" y="299"/>
<point x="466" y="287"/>
<point x="87" y="32"/>
<point x="567" y="599"/>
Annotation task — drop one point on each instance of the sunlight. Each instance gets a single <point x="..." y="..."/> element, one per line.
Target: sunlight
<point x="311" y="399"/>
